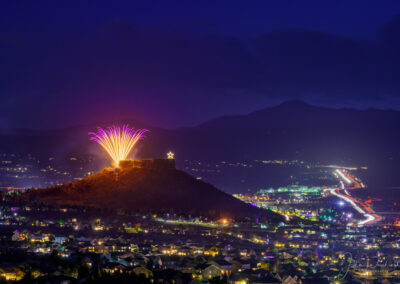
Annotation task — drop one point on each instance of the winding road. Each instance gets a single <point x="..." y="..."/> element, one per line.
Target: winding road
<point x="349" y="183"/>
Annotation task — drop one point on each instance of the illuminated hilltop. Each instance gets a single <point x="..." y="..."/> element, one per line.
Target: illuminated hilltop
<point x="152" y="185"/>
<point x="148" y="164"/>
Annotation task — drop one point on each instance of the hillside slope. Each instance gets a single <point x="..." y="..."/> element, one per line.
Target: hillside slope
<point x="149" y="190"/>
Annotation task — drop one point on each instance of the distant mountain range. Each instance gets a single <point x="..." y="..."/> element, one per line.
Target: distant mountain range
<point x="149" y="190"/>
<point x="297" y="130"/>
<point x="291" y="130"/>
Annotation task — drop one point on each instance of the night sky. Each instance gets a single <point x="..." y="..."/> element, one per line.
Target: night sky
<point x="179" y="63"/>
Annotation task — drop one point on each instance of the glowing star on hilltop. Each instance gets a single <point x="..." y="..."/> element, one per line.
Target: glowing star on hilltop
<point x="170" y="155"/>
<point x="117" y="141"/>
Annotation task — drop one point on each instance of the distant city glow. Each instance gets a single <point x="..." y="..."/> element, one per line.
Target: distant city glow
<point x="117" y="141"/>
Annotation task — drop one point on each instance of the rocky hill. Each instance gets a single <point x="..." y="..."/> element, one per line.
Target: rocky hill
<point x="149" y="190"/>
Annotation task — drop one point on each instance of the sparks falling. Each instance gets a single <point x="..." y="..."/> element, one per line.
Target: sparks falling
<point x="117" y="141"/>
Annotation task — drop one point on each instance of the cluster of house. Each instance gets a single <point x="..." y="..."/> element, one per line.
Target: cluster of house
<point x="233" y="262"/>
<point x="236" y="253"/>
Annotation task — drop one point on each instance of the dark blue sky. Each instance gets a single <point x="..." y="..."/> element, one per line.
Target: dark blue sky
<point x="177" y="63"/>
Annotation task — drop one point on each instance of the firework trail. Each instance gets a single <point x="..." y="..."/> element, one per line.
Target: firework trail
<point x="117" y="141"/>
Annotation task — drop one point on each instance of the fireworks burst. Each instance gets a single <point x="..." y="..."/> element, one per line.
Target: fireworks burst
<point x="117" y="141"/>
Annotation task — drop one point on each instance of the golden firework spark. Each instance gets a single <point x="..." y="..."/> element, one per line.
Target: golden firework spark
<point x="117" y="141"/>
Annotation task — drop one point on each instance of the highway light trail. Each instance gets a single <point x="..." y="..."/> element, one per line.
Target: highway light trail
<point x="343" y="176"/>
<point x="370" y="218"/>
<point x="360" y="207"/>
<point x="336" y="192"/>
